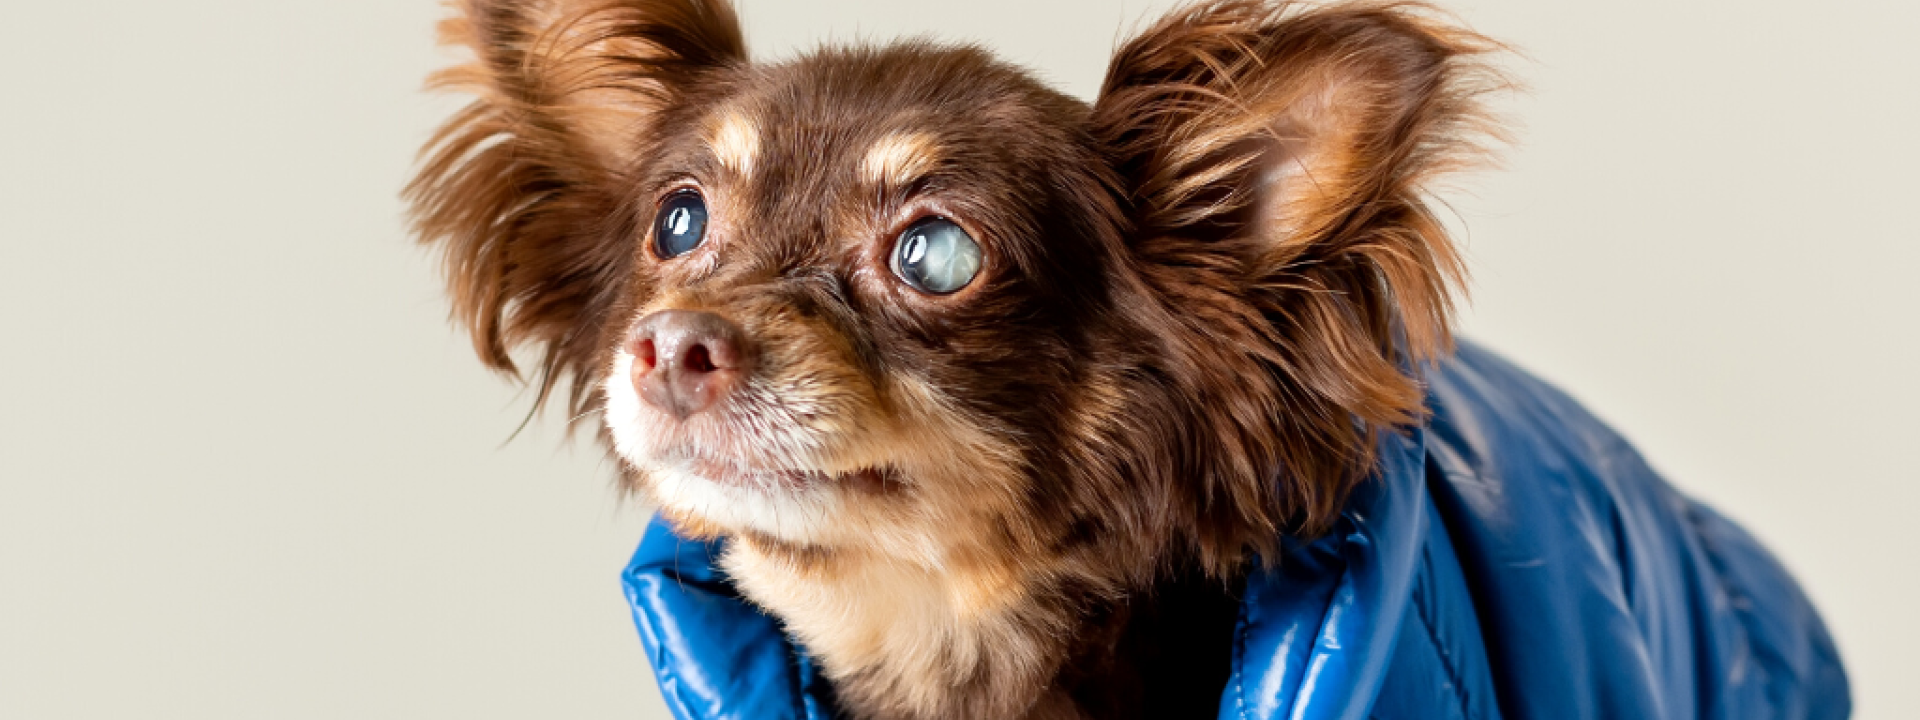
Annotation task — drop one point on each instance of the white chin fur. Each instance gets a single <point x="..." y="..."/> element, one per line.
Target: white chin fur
<point x="794" y="514"/>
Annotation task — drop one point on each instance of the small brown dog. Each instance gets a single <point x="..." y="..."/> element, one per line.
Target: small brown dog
<point x="981" y="381"/>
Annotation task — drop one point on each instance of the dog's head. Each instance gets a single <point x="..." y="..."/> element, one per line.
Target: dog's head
<point x="909" y="299"/>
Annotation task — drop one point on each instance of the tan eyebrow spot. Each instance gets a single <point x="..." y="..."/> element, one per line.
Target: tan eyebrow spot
<point x="899" y="159"/>
<point x="735" y="141"/>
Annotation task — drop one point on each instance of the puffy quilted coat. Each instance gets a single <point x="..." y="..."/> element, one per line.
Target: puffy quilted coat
<point x="1513" y="559"/>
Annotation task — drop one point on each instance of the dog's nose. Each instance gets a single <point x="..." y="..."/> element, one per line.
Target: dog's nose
<point x="687" y="361"/>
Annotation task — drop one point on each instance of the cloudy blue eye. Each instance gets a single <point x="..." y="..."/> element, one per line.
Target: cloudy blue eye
<point x="936" y="256"/>
<point x="681" y="225"/>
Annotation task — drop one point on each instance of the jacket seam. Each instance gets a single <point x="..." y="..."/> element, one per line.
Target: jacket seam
<point x="1445" y="658"/>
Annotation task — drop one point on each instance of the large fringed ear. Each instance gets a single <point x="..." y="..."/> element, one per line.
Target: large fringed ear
<point x="1276" y="157"/>
<point x="521" y="188"/>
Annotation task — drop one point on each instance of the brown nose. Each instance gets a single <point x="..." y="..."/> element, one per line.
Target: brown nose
<point x="686" y="361"/>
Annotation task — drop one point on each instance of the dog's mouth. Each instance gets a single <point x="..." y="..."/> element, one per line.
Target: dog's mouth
<point x="729" y="474"/>
<point x="758" y="444"/>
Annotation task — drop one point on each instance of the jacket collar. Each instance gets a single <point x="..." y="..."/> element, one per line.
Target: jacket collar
<point x="1314" y="636"/>
<point x="1317" y="628"/>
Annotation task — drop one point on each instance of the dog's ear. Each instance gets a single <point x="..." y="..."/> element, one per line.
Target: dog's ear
<point x="1275" y="157"/>
<point x="521" y="189"/>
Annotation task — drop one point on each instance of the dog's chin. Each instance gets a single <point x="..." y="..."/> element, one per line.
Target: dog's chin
<point x="803" y="507"/>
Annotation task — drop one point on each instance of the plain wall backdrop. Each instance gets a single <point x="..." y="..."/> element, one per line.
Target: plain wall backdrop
<point x="247" y="468"/>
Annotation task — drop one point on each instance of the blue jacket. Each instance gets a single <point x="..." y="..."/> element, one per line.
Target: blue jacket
<point x="1514" y="559"/>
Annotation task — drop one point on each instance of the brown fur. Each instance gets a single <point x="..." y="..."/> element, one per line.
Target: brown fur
<point x="1198" y="301"/>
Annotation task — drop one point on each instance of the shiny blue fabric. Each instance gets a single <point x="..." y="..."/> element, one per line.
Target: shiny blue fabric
<point x="1514" y="558"/>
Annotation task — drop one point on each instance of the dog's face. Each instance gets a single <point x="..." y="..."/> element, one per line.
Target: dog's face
<point x="955" y="360"/>
<point x="908" y="300"/>
<point x="864" y="285"/>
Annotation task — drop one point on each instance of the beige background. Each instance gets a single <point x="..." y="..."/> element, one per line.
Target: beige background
<point x="247" y="470"/>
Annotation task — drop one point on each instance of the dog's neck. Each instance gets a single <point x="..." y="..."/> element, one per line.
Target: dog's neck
<point x="995" y="640"/>
<point x="898" y="640"/>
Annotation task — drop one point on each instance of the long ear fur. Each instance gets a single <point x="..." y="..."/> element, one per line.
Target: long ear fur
<point x="1276" y="156"/>
<point x="519" y="187"/>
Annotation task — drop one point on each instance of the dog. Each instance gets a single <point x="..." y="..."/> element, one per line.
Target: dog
<point x="993" y="394"/>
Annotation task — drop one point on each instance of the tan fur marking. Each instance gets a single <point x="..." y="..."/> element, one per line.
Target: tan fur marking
<point x="735" y="141"/>
<point x="899" y="159"/>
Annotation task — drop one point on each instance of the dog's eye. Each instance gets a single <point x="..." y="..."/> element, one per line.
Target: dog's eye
<point x="936" y="256"/>
<point x="681" y="225"/>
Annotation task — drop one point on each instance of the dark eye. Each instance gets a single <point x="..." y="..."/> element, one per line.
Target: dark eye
<point x="936" y="256"/>
<point x="681" y="225"/>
